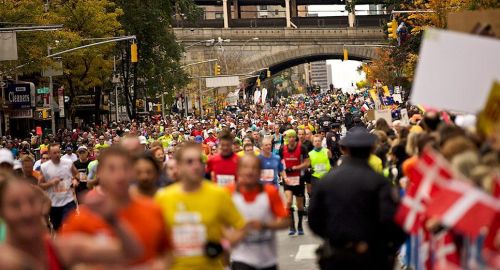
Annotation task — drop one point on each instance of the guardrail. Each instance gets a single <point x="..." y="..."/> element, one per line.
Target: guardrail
<point x="319" y="22"/>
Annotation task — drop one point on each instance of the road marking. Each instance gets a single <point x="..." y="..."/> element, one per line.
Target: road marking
<point x="306" y="252"/>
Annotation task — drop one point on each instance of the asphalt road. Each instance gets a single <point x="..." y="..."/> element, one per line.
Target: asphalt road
<point x="297" y="252"/>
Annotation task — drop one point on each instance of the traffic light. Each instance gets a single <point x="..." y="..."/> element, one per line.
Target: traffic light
<point x="45" y="114"/>
<point x="258" y="82"/>
<point x="133" y="53"/>
<point x="346" y="55"/>
<point x="269" y="73"/>
<point x="392" y="29"/>
<point x="217" y="69"/>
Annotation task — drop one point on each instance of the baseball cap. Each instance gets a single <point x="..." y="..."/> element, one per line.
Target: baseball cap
<point x="358" y="137"/>
<point x="69" y="148"/>
<point x="6" y="156"/>
<point x="17" y="165"/>
<point x="143" y="140"/>
<point x="290" y="133"/>
<point x="198" y="139"/>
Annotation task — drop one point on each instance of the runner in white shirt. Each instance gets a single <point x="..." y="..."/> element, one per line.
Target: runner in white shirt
<point x="59" y="177"/>
<point x="69" y="154"/>
<point x="264" y="209"/>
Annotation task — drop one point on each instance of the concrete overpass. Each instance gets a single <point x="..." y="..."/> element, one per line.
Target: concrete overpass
<point x="277" y="48"/>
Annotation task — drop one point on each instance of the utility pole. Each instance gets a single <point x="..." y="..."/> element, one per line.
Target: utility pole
<point x="51" y="100"/>
<point x="115" y="81"/>
<point x="163" y="105"/>
<point x="200" y="98"/>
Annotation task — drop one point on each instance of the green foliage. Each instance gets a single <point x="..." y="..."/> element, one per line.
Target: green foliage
<point x="82" y="19"/>
<point x="158" y="69"/>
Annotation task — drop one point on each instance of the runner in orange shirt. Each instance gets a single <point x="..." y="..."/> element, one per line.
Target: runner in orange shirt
<point x="115" y="173"/>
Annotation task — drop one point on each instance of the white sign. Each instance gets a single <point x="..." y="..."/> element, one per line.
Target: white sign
<point x="18" y="114"/>
<point x="405" y="120"/>
<point x="232" y="98"/>
<point x="397" y="97"/>
<point x="455" y="70"/>
<point x="223" y="81"/>
<point x="8" y="46"/>
<point x="264" y="95"/>
<point x="386" y="114"/>
<point x="60" y="96"/>
<point x="55" y="70"/>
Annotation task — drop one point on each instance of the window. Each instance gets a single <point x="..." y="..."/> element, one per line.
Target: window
<point x="219" y="15"/>
<point x="276" y="12"/>
<point x="263" y="7"/>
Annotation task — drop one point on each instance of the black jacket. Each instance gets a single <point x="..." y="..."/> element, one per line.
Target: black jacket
<point x="353" y="203"/>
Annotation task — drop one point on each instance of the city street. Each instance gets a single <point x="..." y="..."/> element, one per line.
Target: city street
<point x="190" y="134"/>
<point x="297" y="252"/>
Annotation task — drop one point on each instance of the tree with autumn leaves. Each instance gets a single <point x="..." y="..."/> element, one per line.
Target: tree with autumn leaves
<point x="89" y="71"/>
<point x="396" y="65"/>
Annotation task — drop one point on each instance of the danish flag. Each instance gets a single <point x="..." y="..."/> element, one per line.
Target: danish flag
<point x="446" y="255"/>
<point x="429" y="174"/>
<point x="463" y="207"/>
<point x="491" y="250"/>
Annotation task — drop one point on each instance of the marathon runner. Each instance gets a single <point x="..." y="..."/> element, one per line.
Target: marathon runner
<point x="320" y="160"/>
<point x="222" y="167"/>
<point x="59" y="178"/>
<point x="145" y="218"/>
<point x="199" y="213"/>
<point x="296" y="160"/>
<point x="272" y="168"/>
<point x="262" y="206"/>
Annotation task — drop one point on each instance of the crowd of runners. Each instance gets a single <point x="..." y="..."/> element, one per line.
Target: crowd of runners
<point x="208" y="193"/>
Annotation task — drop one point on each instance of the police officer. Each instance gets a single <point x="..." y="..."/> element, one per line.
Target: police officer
<point x="332" y="142"/>
<point x="352" y="210"/>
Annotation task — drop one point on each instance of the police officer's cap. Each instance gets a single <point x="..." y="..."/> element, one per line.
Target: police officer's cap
<point x="336" y="125"/>
<point x="358" y="137"/>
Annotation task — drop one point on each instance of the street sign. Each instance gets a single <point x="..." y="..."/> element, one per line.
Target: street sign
<point x="19" y="94"/>
<point x="55" y="70"/>
<point x="8" y="46"/>
<point x="222" y="81"/>
<point x="60" y="95"/>
<point x="43" y="90"/>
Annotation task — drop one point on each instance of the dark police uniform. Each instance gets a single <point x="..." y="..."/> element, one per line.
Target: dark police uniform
<point x="352" y="210"/>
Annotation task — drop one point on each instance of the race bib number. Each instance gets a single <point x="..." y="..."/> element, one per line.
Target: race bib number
<point x="61" y="187"/>
<point x="320" y="168"/>
<point x="83" y="177"/>
<point x="189" y="239"/>
<point x="224" y="180"/>
<point x="267" y="175"/>
<point x="277" y="146"/>
<point x="293" y="180"/>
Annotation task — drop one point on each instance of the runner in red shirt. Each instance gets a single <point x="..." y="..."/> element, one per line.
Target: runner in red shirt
<point x="211" y="137"/>
<point x="222" y="167"/>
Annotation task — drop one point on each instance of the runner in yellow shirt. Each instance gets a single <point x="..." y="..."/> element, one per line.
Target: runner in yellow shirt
<point x="198" y="213"/>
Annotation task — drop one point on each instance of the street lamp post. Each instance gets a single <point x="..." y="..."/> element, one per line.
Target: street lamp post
<point x="245" y="44"/>
<point x="209" y="41"/>
<point x="51" y="100"/>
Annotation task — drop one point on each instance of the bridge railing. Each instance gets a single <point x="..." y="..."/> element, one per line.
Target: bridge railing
<point x="301" y="22"/>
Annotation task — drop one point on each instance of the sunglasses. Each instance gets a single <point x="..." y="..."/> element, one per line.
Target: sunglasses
<point x="191" y="161"/>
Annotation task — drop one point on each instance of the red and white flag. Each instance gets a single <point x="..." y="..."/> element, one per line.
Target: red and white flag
<point x="464" y="208"/>
<point x="429" y="174"/>
<point x="446" y="255"/>
<point x="491" y="248"/>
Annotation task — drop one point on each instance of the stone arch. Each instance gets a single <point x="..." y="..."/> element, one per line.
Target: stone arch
<point x="303" y="54"/>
